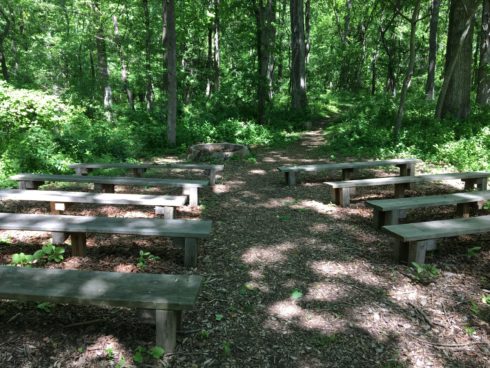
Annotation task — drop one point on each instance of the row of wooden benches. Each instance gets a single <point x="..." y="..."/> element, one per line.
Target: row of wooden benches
<point x="412" y="240"/>
<point x="163" y="297"/>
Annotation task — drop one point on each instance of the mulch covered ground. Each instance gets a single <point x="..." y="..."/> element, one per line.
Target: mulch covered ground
<point x="290" y="281"/>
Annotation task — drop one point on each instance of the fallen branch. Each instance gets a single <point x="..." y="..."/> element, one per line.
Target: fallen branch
<point x="84" y="323"/>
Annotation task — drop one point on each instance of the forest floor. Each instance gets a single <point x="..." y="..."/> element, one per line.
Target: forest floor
<point x="290" y="280"/>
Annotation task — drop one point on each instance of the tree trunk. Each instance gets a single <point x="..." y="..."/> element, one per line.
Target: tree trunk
<point x="149" y="82"/>
<point x="408" y="76"/>
<point x="172" y="74"/>
<point x="454" y="98"/>
<point x="216" y="46"/>
<point x="100" y="46"/>
<point x="307" y="29"/>
<point x="265" y="17"/>
<point x="483" y="88"/>
<point x="431" y="73"/>
<point x="122" y="57"/>
<point x="3" y="36"/>
<point x="298" y="67"/>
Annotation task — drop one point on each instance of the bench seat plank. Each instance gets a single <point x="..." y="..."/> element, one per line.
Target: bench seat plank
<point x="386" y="210"/>
<point x="341" y="189"/>
<point x="167" y="295"/>
<point x="106" y="225"/>
<point x="140" y="168"/>
<point x="107" y="183"/>
<point x="347" y="165"/>
<point x="113" y="289"/>
<point x="414" y="240"/>
<point x="92" y="198"/>
<point x="440" y="229"/>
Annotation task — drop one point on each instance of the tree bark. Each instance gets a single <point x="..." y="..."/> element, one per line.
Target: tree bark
<point x="216" y="46"/>
<point x="408" y="76"/>
<point x="100" y="46"/>
<point x="3" y="36"/>
<point x="265" y="17"/>
<point x="454" y="98"/>
<point x="431" y="73"/>
<point x="149" y="82"/>
<point x="483" y="87"/>
<point x="172" y="74"/>
<point x="298" y="67"/>
<point x="122" y="57"/>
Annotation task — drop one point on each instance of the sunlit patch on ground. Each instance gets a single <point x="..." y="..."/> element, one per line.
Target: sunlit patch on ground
<point x="355" y="270"/>
<point x="257" y="172"/>
<point x="268" y="255"/>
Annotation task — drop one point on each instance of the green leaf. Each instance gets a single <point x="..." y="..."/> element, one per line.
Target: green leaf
<point x="157" y="352"/>
<point x="138" y="357"/>
<point x="296" y="294"/>
<point x="218" y="316"/>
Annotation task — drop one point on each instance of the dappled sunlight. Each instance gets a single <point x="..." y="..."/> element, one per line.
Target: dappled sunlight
<point x="316" y="206"/>
<point x="257" y="172"/>
<point x="268" y="255"/>
<point x="105" y="348"/>
<point x="326" y="291"/>
<point x="357" y="270"/>
<point x="319" y="228"/>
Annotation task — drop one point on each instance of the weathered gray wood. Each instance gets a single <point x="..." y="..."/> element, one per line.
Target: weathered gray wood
<point x="104" y="188"/>
<point x="191" y="192"/>
<point x="408" y="252"/>
<point x="106" y="225"/>
<point x="78" y="244"/>
<point x="190" y="256"/>
<point x="140" y="168"/>
<point x="346" y="165"/>
<point x="166" y="295"/>
<point x="167" y="212"/>
<point x="290" y="178"/>
<point x="59" y="198"/>
<point x="440" y="229"/>
<point x="166" y="329"/>
<point x="113" y="289"/>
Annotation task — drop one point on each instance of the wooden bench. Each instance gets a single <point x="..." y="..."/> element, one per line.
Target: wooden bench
<point x="387" y="211"/>
<point x="77" y="228"/>
<point x="106" y="184"/>
<point x="414" y="240"/>
<point x="140" y="168"/>
<point x="164" y="204"/>
<point x="407" y="167"/>
<point x="341" y="189"/>
<point x="167" y="296"/>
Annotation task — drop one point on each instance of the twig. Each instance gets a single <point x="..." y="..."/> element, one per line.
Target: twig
<point x="13" y="318"/>
<point x="188" y="332"/>
<point x="84" y="323"/>
<point x="448" y="345"/>
<point x="422" y="313"/>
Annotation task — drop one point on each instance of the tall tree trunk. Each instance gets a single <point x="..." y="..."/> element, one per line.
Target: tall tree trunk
<point x="454" y="98"/>
<point x="149" y="82"/>
<point x="298" y="67"/>
<point x="431" y="73"/>
<point x="216" y="46"/>
<point x="307" y="29"/>
<point x="172" y="74"/>
<point x="265" y="17"/>
<point x="3" y="36"/>
<point x="100" y="46"/>
<point x="122" y="57"/>
<point x="210" y="62"/>
<point x="483" y="87"/>
<point x="374" y="71"/>
<point x="164" y="45"/>
<point x="408" y="76"/>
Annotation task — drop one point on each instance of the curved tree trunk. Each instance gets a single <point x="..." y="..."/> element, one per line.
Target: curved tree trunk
<point x="431" y="73"/>
<point x="454" y="98"/>
<point x="483" y="87"/>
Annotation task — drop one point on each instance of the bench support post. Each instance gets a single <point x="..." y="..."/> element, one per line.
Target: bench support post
<point x="167" y="212"/>
<point x="341" y="196"/>
<point x="481" y="183"/>
<point x="400" y="189"/>
<point x="82" y="171"/>
<point x="57" y="237"/>
<point x="79" y="244"/>
<point x="26" y="184"/>
<point x="290" y="178"/>
<point x="382" y="218"/>
<point x="463" y="209"/>
<point x="190" y="252"/>
<point x="192" y="194"/>
<point x="408" y="252"/>
<point x="104" y="188"/>
<point x="347" y="175"/>
<point x="212" y="177"/>
<point x="166" y="329"/>
<point x="138" y="172"/>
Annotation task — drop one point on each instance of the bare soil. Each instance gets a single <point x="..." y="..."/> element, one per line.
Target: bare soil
<point x="290" y="281"/>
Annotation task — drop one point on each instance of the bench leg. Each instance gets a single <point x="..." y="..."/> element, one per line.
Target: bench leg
<point x="463" y="209"/>
<point x="138" y="172"/>
<point x="26" y="184"/>
<point x="347" y="175"/>
<point x="290" y="178"/>
<point x="79" y="244"/>
<point x="469" y="184"/>
<point x="417" y="250"/>
<point x="400" y="190"/>
<point x="167" y="212"/>
<point x="58" y="238"/>
<point x="382" y="218"/>
<point x="212" y="177"/>
<point x="481" y="184"/>
<point x="192" y="194"/>
<point x="190" y="252"/>
<point x="341" y="196"/>
<point x="166" y="329"/>
<point x="104" y="188"/>
<point x="82" y="171"/>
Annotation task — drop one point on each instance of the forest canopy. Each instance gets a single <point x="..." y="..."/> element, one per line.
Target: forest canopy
<point x="126" y="80"/>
